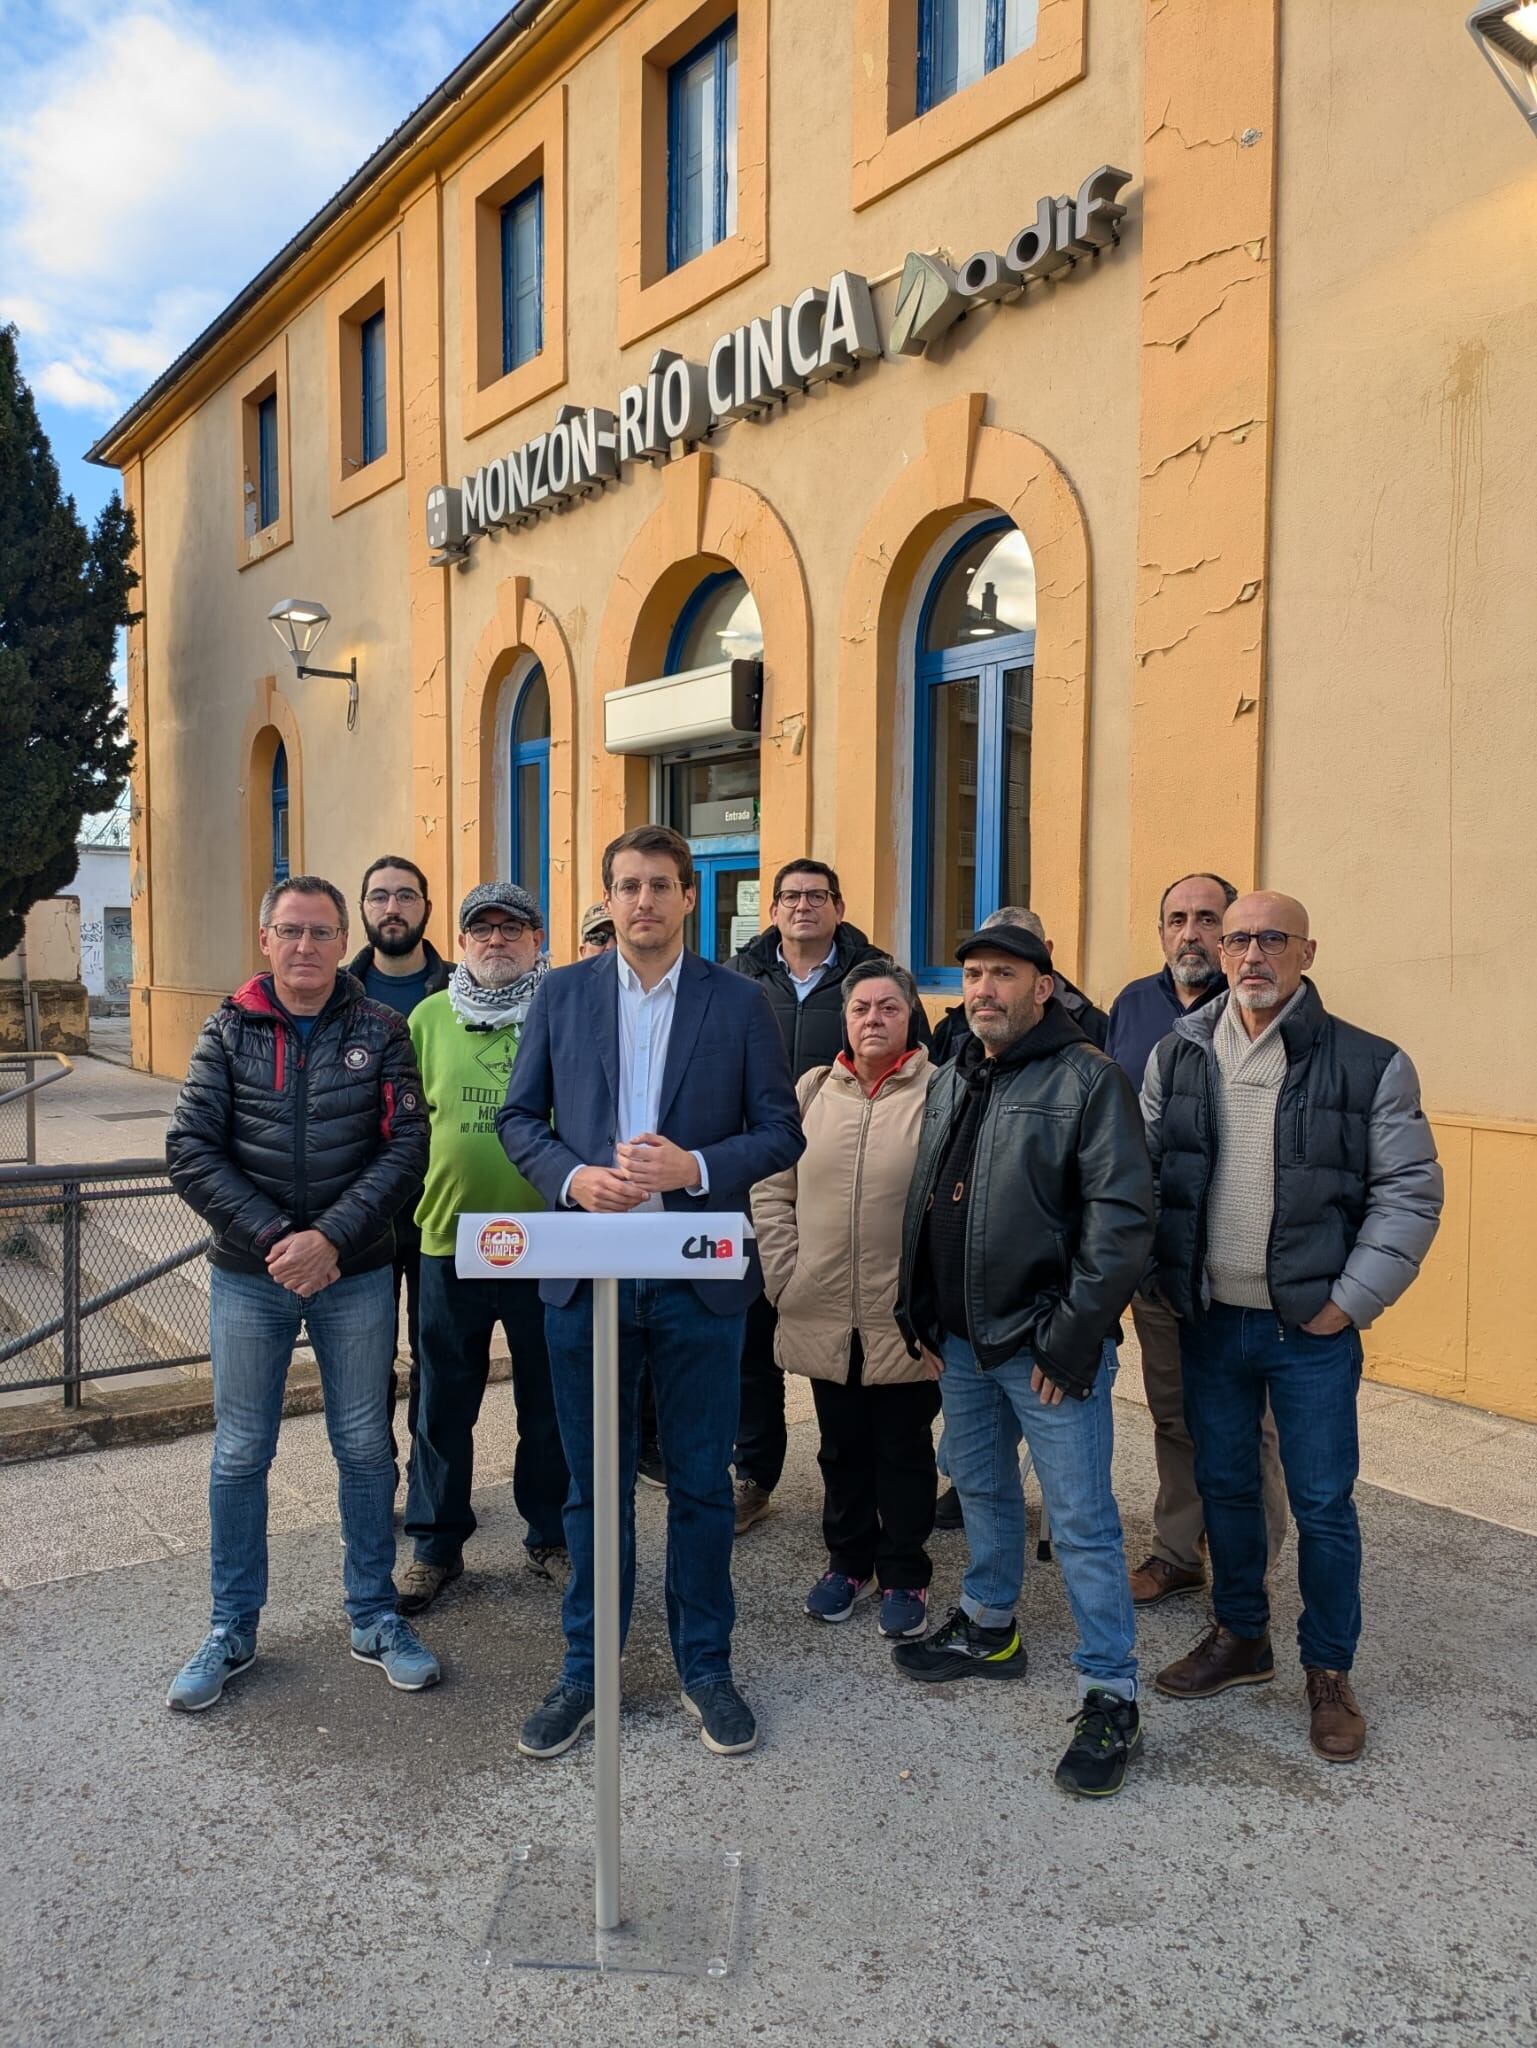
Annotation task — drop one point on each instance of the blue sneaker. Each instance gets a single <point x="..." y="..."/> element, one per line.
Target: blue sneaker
<point x="555" y="1724"/>
<point x="833" y="1596"/>
<point x="726" y="1723"/>
<point x="399" y="1652"/>
<point x="223" y="1653"/>
<point x="904" y="1611"/>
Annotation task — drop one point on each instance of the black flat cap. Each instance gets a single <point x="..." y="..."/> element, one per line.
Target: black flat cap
<point x="1007" y="938"/>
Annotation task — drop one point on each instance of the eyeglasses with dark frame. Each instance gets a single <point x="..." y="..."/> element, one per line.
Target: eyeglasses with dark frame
<point x="812" y="898"/>
<point x="1236" y="944"/>
<point x="408" y="898"/>
<point x="483" y="930"/>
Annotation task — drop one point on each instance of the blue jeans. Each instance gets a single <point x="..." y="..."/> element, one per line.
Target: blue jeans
<point x="1231" y="1359"/>
<point x="694" y="1358"/>
<point x="254" y="1326"/>
<point x="986" y="1413"/>
<point x="457" y="1318"/>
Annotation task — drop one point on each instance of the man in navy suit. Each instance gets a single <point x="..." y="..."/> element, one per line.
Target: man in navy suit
<point x="649" y="1079"/>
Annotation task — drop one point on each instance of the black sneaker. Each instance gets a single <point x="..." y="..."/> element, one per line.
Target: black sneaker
<point x="649" y="1467"/>
<point x="960" y="1649"/>
<point x="1107" y="1736"/>
<point x="726" y="1722"/>
<point x="555" y="1724"/>
<point x="947" y="1510"/>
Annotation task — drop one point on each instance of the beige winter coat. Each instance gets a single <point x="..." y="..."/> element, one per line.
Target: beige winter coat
<point x="830" y="1228"/>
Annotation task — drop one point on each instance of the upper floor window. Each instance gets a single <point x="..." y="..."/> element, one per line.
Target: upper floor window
<point x="373" y="387"/>
<point x="960" y="41"/>
<point x="972" y="716"/>
<point x="267" y="491"/>
<point x="701" y="147"/>
<point x="718" y="623"/>
<point x="523" y="277"/>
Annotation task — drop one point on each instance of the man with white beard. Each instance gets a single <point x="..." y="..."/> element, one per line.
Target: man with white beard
<point x="1298" y="1192"/>
<point x="466" y="1039"/>
<point x="1190" y="917"/>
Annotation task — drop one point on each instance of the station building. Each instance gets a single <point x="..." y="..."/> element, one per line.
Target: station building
<point x="1016" y="450"/>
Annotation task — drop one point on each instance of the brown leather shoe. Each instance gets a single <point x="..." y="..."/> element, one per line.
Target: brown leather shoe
<point x="752" y="1502"/>
<point x="1156" y="1579"/>
<point x="1219" y="1659"/>
<point x="1338" y="1731"/>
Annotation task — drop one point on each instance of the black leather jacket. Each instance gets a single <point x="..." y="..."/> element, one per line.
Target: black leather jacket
<point x="1061" y="1211"/>
<point x="271" y="1134"/>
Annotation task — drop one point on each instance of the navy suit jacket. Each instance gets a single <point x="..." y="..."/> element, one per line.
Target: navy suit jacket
<point x="726" y="1094"/>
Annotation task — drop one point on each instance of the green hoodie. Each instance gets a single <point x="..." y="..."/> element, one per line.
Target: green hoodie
<point x="464" y="1074"/>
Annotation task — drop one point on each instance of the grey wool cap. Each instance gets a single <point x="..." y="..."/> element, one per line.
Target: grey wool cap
<point x="508" y="896"/>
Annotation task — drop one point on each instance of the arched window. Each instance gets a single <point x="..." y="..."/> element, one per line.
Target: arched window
<point x="529" y="782"/>
<point x="280" y="814"/>
<point x="719" y="623"/>
<point x="972" y="703"/>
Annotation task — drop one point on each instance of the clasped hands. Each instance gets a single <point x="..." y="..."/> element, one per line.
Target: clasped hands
<point x="304" y="1262"/>
<point x="643" y="1166"/>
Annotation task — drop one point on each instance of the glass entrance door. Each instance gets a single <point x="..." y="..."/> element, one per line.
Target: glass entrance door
<point x="713" y="801"/>
<point x="725" y="916"/>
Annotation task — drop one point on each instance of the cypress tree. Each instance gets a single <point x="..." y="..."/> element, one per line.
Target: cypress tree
<point x="64" y="590"/>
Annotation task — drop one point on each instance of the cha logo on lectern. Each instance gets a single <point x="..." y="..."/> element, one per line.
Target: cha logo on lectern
<point x="702" y="1247"/>
<point x="502" y="1242"/>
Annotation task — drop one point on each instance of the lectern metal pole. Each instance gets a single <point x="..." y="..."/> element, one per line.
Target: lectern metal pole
<point x="605" y="1530"/>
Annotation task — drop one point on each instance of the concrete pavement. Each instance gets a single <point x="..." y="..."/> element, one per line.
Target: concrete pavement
<point x="317" y="1859"/>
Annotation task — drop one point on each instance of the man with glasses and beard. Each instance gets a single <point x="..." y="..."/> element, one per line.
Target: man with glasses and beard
<point x="1298" y="1192"/>
<point x="399" y="967"/>
<point x="466" y="1040"/>
<point x="1190" y="917"/>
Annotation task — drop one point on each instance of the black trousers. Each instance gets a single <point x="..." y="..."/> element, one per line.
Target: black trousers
<point x="878" y="1477"/>
<point x="761" y="1441"/>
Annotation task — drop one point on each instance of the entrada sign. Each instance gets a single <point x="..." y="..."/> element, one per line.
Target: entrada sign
<point x="822" y="336"/>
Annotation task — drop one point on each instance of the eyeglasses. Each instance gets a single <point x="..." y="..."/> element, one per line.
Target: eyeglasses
<point x="507" y="928"/>
<point x="629" y="890"/>
<point x="322" y="934"/>
<point x="408" y="899"/>
<point x="1236" y="944"/>
<point x="812" y="898"/>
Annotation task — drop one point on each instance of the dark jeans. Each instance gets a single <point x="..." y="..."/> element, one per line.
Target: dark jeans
<point x="408" y="1252"/>
<point x="458" y="1317"/>
<point x="761" y="1440"/>
<point x="878" y="1479"/>
<point x="1231" y="1359"/>
<point x="692" y="1356"/>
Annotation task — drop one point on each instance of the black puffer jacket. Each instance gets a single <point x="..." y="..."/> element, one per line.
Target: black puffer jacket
<point x="271" y="1134"/>
<point x="1060" y="1218"/>
<point x="812" y="1030"/>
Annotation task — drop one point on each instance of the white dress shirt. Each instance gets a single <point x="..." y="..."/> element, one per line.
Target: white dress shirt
<point x="645" y="1031"/>
<point x="803" y="984"/>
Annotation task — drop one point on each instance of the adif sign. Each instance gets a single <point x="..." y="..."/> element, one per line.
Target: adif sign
<point x="819" y="337"/>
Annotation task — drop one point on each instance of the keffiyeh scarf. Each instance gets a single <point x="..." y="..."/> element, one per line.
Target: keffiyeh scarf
<point x="493" y="1009"/>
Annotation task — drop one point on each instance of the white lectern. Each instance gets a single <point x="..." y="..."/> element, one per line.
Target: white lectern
<point x="691" y="1899"/>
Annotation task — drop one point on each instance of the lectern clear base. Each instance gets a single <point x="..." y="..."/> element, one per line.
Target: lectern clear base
<point x="679" y="1914"/>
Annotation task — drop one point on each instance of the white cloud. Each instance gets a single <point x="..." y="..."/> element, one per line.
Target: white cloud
<point x="154" y="163"/>
<point x="74" y="389"/>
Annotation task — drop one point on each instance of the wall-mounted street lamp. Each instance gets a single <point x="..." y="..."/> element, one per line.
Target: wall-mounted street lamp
<point x="299" y="623"/>
<point x="1507" y="35"/>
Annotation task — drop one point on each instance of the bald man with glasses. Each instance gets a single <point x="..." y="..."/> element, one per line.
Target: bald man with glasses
<point x="1298" y="1192"/>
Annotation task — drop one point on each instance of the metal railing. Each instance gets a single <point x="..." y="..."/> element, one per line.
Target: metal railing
<point x="18" y="1103"/>
<point x="101" y="1274"/>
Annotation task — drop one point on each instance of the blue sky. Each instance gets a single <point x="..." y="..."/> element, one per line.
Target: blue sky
<point x="154" y="156"/>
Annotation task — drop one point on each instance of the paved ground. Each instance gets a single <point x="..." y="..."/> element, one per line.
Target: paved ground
<point x="317" y="1860"/>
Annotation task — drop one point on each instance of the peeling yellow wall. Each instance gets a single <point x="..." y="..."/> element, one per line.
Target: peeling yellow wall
<point x="1280" y="441"/>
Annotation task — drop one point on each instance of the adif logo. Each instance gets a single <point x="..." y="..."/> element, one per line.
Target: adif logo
<point x="502" y="1241"/>
<point x="931" y="296"/>
<point x="702" y="1247"/>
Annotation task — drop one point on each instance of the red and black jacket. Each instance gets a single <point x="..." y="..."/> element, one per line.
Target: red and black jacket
<point x="272" y="1133"/>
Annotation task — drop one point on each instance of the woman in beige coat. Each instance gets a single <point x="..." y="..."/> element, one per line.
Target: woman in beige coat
<point x="830" y="1235"/>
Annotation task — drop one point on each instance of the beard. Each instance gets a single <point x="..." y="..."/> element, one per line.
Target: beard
<point x="497" y="970"/>
<point x="395" y="943"/>
<point x="1262" y="996"/>
<point x="1194" y="970"/>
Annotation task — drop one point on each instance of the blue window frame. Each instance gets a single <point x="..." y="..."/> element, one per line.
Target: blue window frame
<point x="523" y="277"/>
<point x="529" y="787"/>
<point x="972" y="718"/>
<point x="701" y="147"/>
<point x="960" y="41"/>
<point x="371" y="351"/>
<point x="280" y="814"/>
<point x="267" y="502"/>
